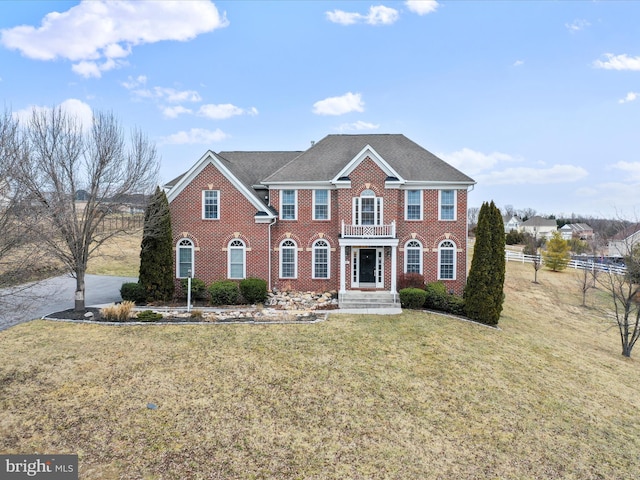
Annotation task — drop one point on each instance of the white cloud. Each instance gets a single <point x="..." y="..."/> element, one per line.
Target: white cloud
<point x="473" y="162"/>
<point x="577" y="25"/>
<point x="225" y="110"/>
<point x="72" y="107"/>
<point x="349" y="102"/>
<point x="618" y="62"/>
<point x="357" y="126"/>
<point x="98" y="34"/>
<point x="132" y="83"/>
<point x="422" y="7"/>
<point x="196" y="136"/>
<point x="631" y="169"/>
<point x="630" y="97"/>
<point x="377" y="15"/>
<point x="533" y="176"/>
<point x="174" y="112"/>
<point x="518" y="63"/>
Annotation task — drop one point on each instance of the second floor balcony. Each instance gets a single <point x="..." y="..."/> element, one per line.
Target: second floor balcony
<point x="369" y="231"/>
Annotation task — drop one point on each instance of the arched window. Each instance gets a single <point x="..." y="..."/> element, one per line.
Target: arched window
<point x="367" y="209"/>
<point x="413" y="257"/>
<point x="288" y="259"/>
<point x="321" y="259"/>
<point x="184" y="258"/>
<point x="237" y="259"/>
<point x="447" y="260"/>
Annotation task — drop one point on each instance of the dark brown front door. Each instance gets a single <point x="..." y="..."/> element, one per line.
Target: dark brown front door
<point x="367" y="267"/>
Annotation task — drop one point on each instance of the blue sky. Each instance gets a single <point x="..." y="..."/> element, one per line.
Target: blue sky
<point x="538" y="101"/>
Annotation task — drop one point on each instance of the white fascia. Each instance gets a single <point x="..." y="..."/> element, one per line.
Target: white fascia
<point x="370" y="152"/>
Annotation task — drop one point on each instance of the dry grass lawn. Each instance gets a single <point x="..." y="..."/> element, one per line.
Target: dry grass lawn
<point x="401" y="397"/>
<point x="120" y="256"/>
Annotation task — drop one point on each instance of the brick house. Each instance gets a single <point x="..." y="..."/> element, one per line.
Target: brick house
<point x="351" y="213"/>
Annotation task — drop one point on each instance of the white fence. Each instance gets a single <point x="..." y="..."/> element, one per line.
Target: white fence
<point x="587" y="264"/>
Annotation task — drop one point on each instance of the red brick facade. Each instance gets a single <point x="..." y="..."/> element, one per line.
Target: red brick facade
<point x="237" y="220"/>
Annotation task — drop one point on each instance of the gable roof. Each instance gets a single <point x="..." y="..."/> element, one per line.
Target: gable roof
<point x="328" y="158"/>
<point x="540" y="222"/>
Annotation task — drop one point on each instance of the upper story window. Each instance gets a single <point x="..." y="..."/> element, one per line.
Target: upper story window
<point x="413" y="202"/>
<point x="237" y="259"/>
<point x="447" y="205"/>
<point x="413" y="257"/>
<point x="447" y="260"/>
<point x="211" y="204"/>
<point x="288" y="259"/>
<point x="367" y="209"/>
<point x="321" y="204"/>
<point x="288" y="204"/>
<point x="184" y="258"/>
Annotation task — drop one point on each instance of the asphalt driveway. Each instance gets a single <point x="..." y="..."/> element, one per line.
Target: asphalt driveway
<point x="55" y="294"/>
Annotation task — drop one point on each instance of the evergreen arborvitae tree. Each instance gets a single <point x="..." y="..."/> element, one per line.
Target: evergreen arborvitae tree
<point x="156" y="252"/>
<point x="484" y="291"/>
<point x="558" y="252"/>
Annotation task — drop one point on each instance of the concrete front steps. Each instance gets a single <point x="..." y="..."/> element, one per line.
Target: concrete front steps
<point x="359" y="299"/>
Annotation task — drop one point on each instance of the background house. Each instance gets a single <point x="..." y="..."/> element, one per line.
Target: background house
<point x="623" y="243"/>
<point x="512" y="222"/>
<point x="580" y="231"/>
<point x="539" y="227"/>
<point x="351" y="213"/>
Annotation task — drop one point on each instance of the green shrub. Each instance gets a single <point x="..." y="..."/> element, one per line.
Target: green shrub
<point x="410" y="280"/>
<point x="149" y="316"/>
<point x="133" y="292"/>
<point x="455" y="305"/>
<point x="224" y="292"/>
<point x="412" y="298"/>
<point x="198" y="288"/>
<point x="436" y="297"/>
<point x="254" y="290"/>
<point x="514" y="238"/>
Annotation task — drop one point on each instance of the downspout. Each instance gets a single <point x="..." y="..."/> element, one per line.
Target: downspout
<point x="270" y="252"/>
<point x="466" y="240"/>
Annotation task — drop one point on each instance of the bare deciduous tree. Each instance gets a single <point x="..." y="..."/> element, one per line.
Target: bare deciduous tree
<point x="59" y="160"/>
<point x="624" y="289"/>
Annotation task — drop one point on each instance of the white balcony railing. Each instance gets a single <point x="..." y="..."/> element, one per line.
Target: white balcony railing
<point x="369" y="231"/>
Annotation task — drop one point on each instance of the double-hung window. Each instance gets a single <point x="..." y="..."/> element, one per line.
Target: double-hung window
<point x="288" y="205"/>
<point x="367" y="209"/>
<point x="413" y="201"/>
<point x="447" y="205"/>
<point x="237" y="259"/>
<point x="211" y="204"/>
<point x="413" y="257"/>
<point x="184" y="260"/>
<point x="320" y="259"/>
<point x="447" y="261"/>
<point x="288" y="259"/>
<point x="321" y="204"/>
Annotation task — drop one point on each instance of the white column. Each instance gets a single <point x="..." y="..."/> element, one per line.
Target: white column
<point x="394" y="268"/>
<point x="343" y="261"/>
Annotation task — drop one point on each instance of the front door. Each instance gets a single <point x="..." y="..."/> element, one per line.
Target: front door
<point x="367" y="266"/>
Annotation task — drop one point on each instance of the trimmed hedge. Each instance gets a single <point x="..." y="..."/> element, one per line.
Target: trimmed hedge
<point x="437" y="297"/>
<point x="224" y="292"/>
<point x="198" y="288"/>
<point x="412" y="298"/>
<point x="133" y="292"/>
<point x="253" y="290"/>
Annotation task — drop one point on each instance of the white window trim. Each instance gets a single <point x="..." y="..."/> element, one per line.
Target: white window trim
<point x="203" y="204"/>
<point x="455" y="260"/>
<point x="406" y="255"/>
<point x="313" y="259"/>
<point x="244" y="259"/>
<point x="328" y="206"/>
<point x="406" y="206"/>
<point x="378" y="210"/>
<point x="295" y="259"/>
<point x="295" y="204"/>
<point x="455" y="205"/>
<point x="193" y="254"/>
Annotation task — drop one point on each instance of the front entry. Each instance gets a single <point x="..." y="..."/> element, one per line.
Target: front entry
<point x="367" y="267"/>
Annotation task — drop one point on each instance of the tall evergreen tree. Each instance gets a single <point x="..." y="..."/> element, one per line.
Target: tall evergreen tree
<point x="484" y="291"/>
<point x="156" y="252"/>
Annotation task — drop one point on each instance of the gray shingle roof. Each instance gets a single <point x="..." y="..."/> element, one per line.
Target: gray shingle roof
<point x="330" y="155"/>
